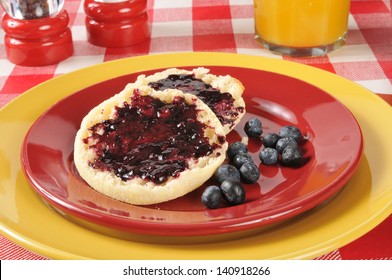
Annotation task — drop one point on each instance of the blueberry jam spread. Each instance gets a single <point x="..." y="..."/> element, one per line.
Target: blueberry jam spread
<point x="149" y="139"/>
<point x="222" y="104"/>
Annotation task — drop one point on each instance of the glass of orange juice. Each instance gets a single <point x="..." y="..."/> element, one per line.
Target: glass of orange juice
<point x="301" y="27"/>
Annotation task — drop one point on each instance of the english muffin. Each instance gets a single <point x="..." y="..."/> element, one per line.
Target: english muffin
<point x="223" y="94"/>
<point x="144" y="146"/>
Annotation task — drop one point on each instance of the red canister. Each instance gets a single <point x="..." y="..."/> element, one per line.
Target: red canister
<point x="116" y="23"/>
<point x="36" y="32"/>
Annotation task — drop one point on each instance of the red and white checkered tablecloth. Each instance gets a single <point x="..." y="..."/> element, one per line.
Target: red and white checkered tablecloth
<point x="227" y="26"/>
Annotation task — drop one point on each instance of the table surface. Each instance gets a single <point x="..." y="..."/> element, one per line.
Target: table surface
<point x="227" y="26"/>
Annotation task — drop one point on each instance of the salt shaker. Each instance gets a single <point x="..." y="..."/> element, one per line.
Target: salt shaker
<point x="116" y="23"/>
<point x="36" y="32"/>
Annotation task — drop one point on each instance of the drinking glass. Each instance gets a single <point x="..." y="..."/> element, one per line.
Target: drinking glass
<point x="301" y="27"/>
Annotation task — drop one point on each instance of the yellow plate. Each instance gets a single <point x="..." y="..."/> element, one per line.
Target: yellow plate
<point x="360" y="206"/>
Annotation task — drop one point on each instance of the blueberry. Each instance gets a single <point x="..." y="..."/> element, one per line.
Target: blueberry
<point x="290" y="131"/>
<point x="270" y="140"/>
<point x="253" y="128"/>
<point x="249" y="172"/>
<point x="269" y="156"/>
<point x="235" y="148"/>
<point x="227" y="172"/>
<point x="291" y="156"/>
<point x="240" y="159"/>
<point x="212" y="197"/>
<point x="284" y="142"/>
<point x="233" y="192"/>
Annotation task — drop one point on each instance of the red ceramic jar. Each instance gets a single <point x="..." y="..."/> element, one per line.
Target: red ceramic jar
<point x="116" y="23"/>
<point x="37" y="42"/>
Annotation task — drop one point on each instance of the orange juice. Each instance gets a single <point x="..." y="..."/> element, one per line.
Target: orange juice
<point x="301" y="23"/>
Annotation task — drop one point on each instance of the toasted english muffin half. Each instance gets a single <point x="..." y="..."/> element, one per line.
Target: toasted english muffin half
<point x="144" y="146"/>
<point x="223" y="94"/>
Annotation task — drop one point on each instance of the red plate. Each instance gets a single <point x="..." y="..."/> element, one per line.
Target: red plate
<point x="333" y="148"/>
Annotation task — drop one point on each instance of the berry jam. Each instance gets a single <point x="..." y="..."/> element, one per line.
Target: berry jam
<point x="222" y="104"/>
<point x="149" y="139"/>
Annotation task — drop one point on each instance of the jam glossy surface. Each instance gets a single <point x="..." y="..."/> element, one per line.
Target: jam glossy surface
<point x="149" y="139"/>
<point x="222" y="104"/>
